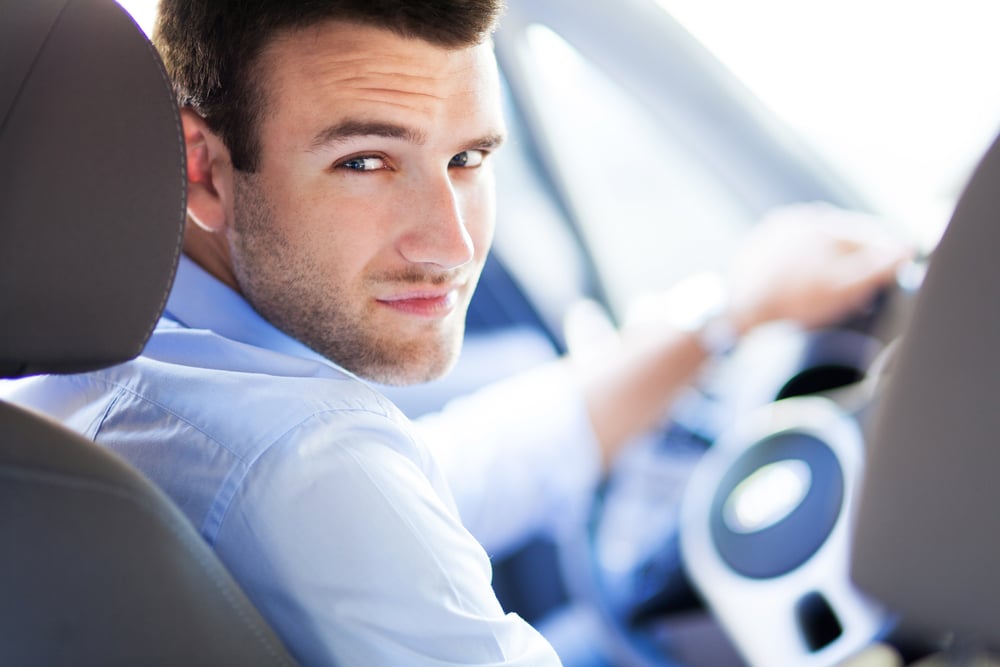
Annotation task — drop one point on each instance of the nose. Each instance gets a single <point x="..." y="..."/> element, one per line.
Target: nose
<point x="437" y="233"/>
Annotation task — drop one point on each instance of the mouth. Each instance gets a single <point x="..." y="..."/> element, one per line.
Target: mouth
<point x="427" y="303"/>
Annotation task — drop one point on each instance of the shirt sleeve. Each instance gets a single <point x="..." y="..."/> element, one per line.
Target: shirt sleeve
<point x="352" y="553"/>
<point x="520" y="455"/>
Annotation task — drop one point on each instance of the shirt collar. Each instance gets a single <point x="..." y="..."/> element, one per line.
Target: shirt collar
<point x="198" y="300"/>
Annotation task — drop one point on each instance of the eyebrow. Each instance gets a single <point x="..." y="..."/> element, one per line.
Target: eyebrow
<point x="349" y="129"/>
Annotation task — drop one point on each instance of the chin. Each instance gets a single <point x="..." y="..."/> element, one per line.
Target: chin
<point x="414" y="366"/>
<point x="397" y="376"/>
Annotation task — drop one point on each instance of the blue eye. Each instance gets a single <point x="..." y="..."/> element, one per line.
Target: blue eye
<point x="468" y="159"/>
<point x="363" y="163"/>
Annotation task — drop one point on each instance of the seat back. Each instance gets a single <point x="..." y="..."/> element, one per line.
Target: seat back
<point x="97" y="566"/>
<point x="927" y="539"/>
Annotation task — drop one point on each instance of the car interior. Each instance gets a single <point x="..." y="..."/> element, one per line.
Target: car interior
<point x="889" y="537"/>
<point x="876" y="432"/>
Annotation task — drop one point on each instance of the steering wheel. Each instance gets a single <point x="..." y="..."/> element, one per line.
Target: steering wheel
<point x="722" y="540"/>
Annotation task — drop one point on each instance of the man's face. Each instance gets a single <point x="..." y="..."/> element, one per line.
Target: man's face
<point x="365" y="228"/>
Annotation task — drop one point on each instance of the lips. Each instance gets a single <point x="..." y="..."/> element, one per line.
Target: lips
<point x="430" y="303"/>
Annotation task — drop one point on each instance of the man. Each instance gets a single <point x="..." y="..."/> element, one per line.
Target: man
<point x="339" y="180"/>
<point x="340" y="209"/>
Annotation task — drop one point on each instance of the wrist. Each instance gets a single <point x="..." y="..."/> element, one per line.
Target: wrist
<point x="716" y="334"/>
<point x="698" y="306"/>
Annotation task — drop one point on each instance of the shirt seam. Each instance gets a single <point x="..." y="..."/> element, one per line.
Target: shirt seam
<point x="122" y="389"/>
<point x="99" y="421"/>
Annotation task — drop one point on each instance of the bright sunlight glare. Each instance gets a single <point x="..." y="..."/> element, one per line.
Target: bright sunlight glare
<point x="899" y="95"/>
<point x="142" y="11"/>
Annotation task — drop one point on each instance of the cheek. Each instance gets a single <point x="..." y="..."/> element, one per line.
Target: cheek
<point x="336" y="240"/>
<point x="340" y="222"/>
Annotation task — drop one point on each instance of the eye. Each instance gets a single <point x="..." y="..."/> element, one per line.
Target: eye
<point x="363" y="163"/>
<point x="468" y="159"/>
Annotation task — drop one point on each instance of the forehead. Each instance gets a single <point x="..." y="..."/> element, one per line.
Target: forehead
<point x="339" y="69"/>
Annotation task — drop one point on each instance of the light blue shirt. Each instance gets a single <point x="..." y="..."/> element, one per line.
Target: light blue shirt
<point x="311" y="486"/>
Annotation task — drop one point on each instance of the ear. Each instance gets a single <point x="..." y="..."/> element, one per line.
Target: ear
<point x="209" y="173"/>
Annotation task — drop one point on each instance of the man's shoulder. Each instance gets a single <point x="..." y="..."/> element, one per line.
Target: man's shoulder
<point x="254" y="399"/>
<point x="199" y="432"/>
<point x="240" y="397"/>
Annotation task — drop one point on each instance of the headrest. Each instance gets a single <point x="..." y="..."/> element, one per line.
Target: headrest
<point x="927" y="539"/>
<point x="92" y="186"/>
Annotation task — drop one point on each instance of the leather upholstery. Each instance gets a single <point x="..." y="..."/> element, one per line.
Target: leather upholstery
<point x="92" y="186"/>
<point x="927" y="539"/>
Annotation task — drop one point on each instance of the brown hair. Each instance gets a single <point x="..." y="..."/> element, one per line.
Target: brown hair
<point x="211" y="47"/>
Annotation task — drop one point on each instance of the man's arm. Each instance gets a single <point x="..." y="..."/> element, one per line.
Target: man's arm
<point x="810" y="264"/>
<point x="344" y="536"/>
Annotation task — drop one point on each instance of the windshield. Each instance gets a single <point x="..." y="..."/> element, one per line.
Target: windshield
<point x="900" y="96"/>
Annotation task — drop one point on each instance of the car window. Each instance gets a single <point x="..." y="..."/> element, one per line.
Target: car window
<point x="899" y="96"/>
<point x="649" y="207"/>
<point x="662" y="157"/>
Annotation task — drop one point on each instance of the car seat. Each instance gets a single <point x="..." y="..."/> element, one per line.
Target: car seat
<point x="927" y="536"/>
<point x="97" y="567"/>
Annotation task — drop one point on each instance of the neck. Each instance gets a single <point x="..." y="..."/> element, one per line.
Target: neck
<point x="211" y="252"/>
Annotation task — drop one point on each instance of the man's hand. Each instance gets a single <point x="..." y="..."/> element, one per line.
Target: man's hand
<point x="813" y="264"/>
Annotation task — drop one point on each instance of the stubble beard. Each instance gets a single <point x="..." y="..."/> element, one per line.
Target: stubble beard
<point x="283" y="284"/>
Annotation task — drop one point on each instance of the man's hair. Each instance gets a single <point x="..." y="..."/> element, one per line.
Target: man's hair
<point x="211" y="48"/>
